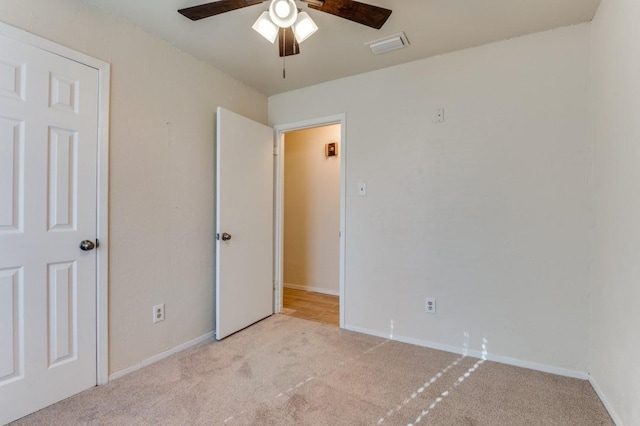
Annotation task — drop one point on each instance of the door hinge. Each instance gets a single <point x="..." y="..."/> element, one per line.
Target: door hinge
<point x="275" y="150"/>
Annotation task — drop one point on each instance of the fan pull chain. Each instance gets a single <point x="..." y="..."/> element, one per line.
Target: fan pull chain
<point x="284" y="57"/>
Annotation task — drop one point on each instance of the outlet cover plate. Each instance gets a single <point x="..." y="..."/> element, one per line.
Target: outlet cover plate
<point x="158" y="313"/>
<point x="430" y="305"/>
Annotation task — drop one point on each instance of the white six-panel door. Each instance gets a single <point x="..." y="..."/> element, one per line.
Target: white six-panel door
<point x="48" y="151"/>
<point x="244" y="210"/>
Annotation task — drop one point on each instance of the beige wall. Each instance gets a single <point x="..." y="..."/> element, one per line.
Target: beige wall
<point x="615" y="322"/>
<point x="161" y="182"/>
<point x="490" y="212"/>
<point x="312" y="210"/>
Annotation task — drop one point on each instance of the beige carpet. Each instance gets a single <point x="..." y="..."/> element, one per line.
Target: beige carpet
<point x="287" y="371"/>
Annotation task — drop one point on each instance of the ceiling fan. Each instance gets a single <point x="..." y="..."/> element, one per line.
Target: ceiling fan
<point x="283" y="20"/>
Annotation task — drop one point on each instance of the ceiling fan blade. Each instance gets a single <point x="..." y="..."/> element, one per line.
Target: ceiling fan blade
<point x="210" y="9"/>
<point x="287" y="42"/>
<point x="362" y="13"/>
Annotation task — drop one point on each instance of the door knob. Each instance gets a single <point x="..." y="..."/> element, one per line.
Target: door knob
<point x="87" y="245"/>
<point x="225" y="236"/>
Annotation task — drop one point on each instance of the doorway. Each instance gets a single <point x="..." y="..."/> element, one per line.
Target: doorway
<point x="310" y="220"/>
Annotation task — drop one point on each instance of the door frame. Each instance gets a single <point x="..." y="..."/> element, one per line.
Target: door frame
<point x="102" y="185"/>
<point x="278" y="249"/>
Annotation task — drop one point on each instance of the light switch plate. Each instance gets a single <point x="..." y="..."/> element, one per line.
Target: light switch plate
<point x="362" y="188"/>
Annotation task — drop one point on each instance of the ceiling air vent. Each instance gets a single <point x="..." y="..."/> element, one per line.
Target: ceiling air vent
<point x="387" y="44"/>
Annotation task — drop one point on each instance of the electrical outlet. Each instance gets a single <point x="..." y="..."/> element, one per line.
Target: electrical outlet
<point x="430" y="305"/>
<point x="158" y="313"/>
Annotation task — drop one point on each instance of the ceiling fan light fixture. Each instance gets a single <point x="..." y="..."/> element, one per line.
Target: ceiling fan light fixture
<point x="283" y="13"/>
<point x="304" y="27"/>
<point x="266" y="28"/>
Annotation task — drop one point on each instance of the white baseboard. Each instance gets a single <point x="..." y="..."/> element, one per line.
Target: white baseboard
<point x="162" y="356"/>
<point x="313" y="289"/>
<point x="477" y="354"/>
<point x="605" y="402"/>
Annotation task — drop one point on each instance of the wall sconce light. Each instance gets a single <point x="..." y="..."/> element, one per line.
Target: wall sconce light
<point x="331" y="149"/>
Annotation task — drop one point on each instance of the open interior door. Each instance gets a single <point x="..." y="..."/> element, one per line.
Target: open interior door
<point x="244" y="222"/>
<point x="48" y="196"/>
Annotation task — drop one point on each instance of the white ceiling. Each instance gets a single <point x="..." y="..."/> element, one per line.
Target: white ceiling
<point x="338" y="49"/>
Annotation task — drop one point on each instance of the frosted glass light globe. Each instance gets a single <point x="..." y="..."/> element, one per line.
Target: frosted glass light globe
<point x="282" y="9"/>
<point x="283" y="13"/>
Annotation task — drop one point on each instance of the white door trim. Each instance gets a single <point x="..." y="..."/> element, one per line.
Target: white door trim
<point x="280" y="130"/>
<point x="102" y="184"/>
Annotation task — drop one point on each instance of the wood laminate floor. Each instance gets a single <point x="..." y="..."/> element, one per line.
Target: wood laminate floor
<point x="311" y="306"/>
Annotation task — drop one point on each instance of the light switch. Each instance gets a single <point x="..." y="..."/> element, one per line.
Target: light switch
<point x="362" y="188"/>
